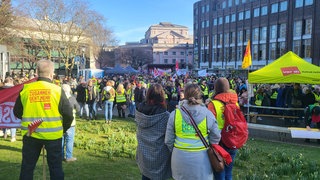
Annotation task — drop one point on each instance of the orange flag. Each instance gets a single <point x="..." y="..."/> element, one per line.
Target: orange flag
<point x="247" y="57"/>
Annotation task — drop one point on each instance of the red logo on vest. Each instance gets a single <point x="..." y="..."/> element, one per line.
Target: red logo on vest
<point x="47" y="106"/>
<point x="290" y="70"/>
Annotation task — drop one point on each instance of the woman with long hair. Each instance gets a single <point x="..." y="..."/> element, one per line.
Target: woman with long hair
<point x="189" y="158"/>
<point x="153" y="156"/>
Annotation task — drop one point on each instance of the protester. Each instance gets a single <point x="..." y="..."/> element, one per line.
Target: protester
<point x="82" y="98"/>
<point x="46" y="101"/>
<point x="139" y="93"/>
<point x="121" y="100"/>
<point x="130" y="99"/>
<point x="224" y="94"/>
<point x="189" y="158"/>
<point x="312" y="118"/>
<point x="108" y="103"/>
<point x="68" y="137"/>
<point x="93" y="97"/>
<point x="153" y="156"/>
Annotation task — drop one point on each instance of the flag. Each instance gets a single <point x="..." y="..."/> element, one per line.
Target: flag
<point x="247" y="57"/>
<point x="177" y="66"/>
<point x="7" y="100"/>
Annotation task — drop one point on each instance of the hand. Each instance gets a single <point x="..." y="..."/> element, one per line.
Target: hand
<point x="308" y="128"/>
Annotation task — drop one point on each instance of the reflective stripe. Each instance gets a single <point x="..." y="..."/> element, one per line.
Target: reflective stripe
<point x="43" y="118"/>
<point x="45" y="129"/>
<point x="120" y="97"/>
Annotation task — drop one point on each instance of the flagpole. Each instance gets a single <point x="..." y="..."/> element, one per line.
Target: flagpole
<point x="248" y="100"/>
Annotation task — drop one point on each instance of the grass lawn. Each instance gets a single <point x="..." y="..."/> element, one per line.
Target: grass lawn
<point x="107" y="151"/>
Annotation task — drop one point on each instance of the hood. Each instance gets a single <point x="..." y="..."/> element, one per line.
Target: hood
<point x="197" y="112"/>
<point x="229" y="97"/>
<point x="145" y="121"/>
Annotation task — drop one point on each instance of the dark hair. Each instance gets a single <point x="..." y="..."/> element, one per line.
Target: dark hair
<point x="316" y="110"/>
<point x="156" y="95"/>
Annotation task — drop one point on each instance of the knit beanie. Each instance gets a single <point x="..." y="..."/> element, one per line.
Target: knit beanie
<point x="221" y="85"/>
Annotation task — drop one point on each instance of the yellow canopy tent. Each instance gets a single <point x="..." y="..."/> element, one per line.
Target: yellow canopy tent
<point x="289" y="68"/>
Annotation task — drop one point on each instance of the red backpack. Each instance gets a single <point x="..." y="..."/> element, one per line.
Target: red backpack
<point x="235" y="131"/>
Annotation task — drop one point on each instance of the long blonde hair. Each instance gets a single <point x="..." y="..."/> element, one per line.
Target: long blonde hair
<point x="120" y="88"/>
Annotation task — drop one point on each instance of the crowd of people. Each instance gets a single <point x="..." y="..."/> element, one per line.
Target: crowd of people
<point x="167" y="144"/>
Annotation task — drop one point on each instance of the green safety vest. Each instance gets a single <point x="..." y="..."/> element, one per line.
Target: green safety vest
<point x="274" y="95"/>
<point x="205" y="91"/>
<point x="40" y="100"/>
<point x="186" y="136"/>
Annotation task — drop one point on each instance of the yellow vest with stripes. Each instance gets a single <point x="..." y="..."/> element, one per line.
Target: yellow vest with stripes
<point x="219" y="107"/>
<point x="186" y="136"/>
<point x="40" y="100"/>
<point x="120" y="97"/>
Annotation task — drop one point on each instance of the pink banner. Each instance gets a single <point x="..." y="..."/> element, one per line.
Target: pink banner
<point x="7" y="100"/>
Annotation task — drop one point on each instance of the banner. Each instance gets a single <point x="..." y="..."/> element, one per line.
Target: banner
<point x="247" y="61"/>
<point x="177" y="66"/>
<point x="7" y="100"/>
<point x="202" y="73"/>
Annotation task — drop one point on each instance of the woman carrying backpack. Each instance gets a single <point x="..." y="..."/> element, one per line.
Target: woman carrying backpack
<point x="108" y="94"/>
<point x="216" y="106"/>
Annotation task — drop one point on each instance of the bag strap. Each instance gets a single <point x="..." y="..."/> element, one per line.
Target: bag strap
<point x="205" y="143"/>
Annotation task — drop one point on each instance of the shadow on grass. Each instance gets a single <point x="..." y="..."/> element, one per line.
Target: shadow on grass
<point x="10" y="148"/>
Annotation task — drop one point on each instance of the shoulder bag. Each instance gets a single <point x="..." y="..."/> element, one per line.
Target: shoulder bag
<point x="216" y="161"/>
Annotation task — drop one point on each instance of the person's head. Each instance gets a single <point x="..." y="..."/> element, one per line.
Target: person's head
<point x="181" y="93"/>
<point x="156" y="95"/>
<point x="45" y="68"/>
<point x="90" y="83"/>
<point x="8" y="81"/>
<point x="221" y="85"/>
<point x="193" y="94"/>
<point x="120" y="88"/>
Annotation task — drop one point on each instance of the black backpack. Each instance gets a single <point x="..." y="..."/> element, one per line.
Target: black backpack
<point x="107" y="95"/>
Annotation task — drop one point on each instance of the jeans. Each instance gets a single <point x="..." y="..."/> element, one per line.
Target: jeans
<point x="226" y="174"/>
<point x="108" y="108"/>
<point x="132" y="108"/>
<point x="30" y="154"/>
<point x="84" y="107"/>
<point x="67" y="143"/>
<point x="12" y="132"/>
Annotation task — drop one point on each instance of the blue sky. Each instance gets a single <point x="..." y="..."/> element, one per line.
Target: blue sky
<point x="130" y="19"/>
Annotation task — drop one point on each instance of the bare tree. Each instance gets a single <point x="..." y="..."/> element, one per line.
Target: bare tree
<point x="61" y="28"/>
<point x="5" y="20"/>
<point x="135" y="56"/>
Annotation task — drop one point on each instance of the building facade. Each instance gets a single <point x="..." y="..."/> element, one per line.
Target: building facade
<point x="222" y="29"/>
<point x="164" y="45"/>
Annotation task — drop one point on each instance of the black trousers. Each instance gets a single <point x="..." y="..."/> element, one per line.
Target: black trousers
<point x="30" y="154"/>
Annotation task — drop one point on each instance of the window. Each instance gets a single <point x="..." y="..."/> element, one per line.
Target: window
<point x="282" y="32"/>
<point x="215" y="22"/>
<point x="232" y="37"/>
<point x="308" y="26"/>
<point x="255" y="48"/>
<point x="307" y="48"/>
<point x="247" y="15"/>
<point x="274" y="8"/>
<point x="233" y="53"/>
<point x="247" y="35"/>
<point x="227" y="19"/>
<point x="282" y="48"/>
<point x="240" y="36"/>
<point x="214" y="54"/>
<point x="214" y="40"/>
<point x="264" y="10"/>
<point x="207" y="23"/>
<point x="239" y="52"/>
<point x="203" y="24"/>
<point x="273" y="32"/>
<point x="299" y="3"/>
<point x="174" y="53"/>
<point x="236" y="2"/>
<point x="174" y="61"/>
<point x="224" y="4"/>
<point x="262" y="52"/>
<point x="243" y="1"/>
<point x="240" y="16"/>
<point x="283" y="6"/>
<point x="263" y="33"/>
<point x="256" y="34"/>
<point x="203" y="9"/>
<point x="297" y="47"/>
<point x="220" y="39"/>
<point x="220" y="20"/>
<point x="229" y="3"/>
<point x="233" y="17"/>
<point x="181" y="53"/>
<point x="308" y="2"/>
<point x="272" y="51"/>
<point x="166" y="53"/>
<point x="166" y="61"/>
<point x="297" y="29"/>
<point x="207" y="8"/>
<point x="226" y="38"/>
<point x="256" y="12"/>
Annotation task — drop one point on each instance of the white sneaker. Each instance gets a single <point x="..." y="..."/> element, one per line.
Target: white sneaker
<point x="13" y="139"/>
